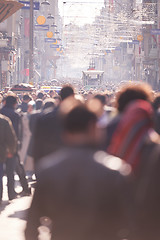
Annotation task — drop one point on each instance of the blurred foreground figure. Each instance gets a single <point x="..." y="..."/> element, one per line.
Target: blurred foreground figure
<point x="46" y="136"/>
<point x="8" y="143"/>
<point x="81" y="194"/>
<point x="125" y="96"/>
<point x="138" y="144"/>
<point x="133" y="134"/>
<point x="9" y="110"/>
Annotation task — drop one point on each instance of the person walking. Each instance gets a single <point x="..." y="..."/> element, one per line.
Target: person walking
<point x="78" y="194"/>
<point x="9" y="111"/>
<point x="8" y="144"/>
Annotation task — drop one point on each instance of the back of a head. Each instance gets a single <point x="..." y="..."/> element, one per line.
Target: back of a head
<point x="48" y="103"/>
<point x="133" y="92"/>
<point x="11" y="101"/>
<point x="39" y="104"/>
<point x="40" y="95"/>
<point x="156" y="102"/>
<point x="101" y="98"/>
<point x="66" y="91"/>
<point x="79" y="119"/>
<point x="26" y="97"/>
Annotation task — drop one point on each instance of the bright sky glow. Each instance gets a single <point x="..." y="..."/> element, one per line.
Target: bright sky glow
<point x="79" y="12"/>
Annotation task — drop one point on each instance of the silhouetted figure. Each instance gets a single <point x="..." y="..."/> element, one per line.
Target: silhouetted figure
<point x="80" y="193"/>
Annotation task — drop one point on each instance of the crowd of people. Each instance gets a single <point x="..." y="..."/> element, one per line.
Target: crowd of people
<point x="96" y="159"/>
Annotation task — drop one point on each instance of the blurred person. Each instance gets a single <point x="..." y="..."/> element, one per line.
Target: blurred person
<point x="24" y="105"/>
<point x="66" y="91"/>
<point x="23" y="153"/>
<point x="39" y="104"/>
<point x="1" y="98"/>
<point x="48" y="106"/>
<point x="133" y="132"/>
<point x="57" y="100"/>
<point x="78" y="194"/>
<point x="46" y="138"/>
<point x="9" y="110"/>
<point x="156" y="102"/>
<point x="40" y="95"/>
<point x="136" y="141"/>
<point x="106" y="113"/>
<point x="156" y="107"/>
<point x="8" y="144"/>
<point x="49" y="103"/>
<point x="31" y="106"/>
<point x="52" y="93"/>
<point x="126" y="95"/>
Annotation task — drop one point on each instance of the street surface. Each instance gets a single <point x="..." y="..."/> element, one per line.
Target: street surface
<point x="13" y="215"/>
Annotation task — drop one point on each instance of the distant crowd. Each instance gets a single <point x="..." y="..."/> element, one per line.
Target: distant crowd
<point x="93" y="158"/>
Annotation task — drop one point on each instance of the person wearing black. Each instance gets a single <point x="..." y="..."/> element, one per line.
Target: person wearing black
<point x="80" y="193"/>
<point x="9" y="111"/>
<point x="47" y="131"/>
<point x="8" y="143"/>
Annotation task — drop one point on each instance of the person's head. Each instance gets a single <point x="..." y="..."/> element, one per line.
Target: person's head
<point x="134" y="130"/>
<point x="39" y="104"/>
<point x="156" y="102"/>
<point x="49" y="103"/>
<point x="80" y="126"/>
<point x="66" y="91"/>
<point x="57" y="100"/>
<point x="11" y="101"/>
<point x="40" y="95"/>
<point x="26" y="98"/>
<point x="52" y="93"/>
<point x="133" y="92"/>
<point x="101" y="98"/>
<point x="31" y="106"/>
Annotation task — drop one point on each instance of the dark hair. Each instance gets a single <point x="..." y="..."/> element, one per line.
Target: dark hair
<point x="79" y="119"/>
<point x="11" y="101"/>
<point x="26" y="97"/>
<point x="66" y="91"/>
<point x="49" y="102"/>
<point x="156" y="102"/>
<point x="40" y="95"/>
<point x="101" y="98"/>
<point x="133" y="92"/>
<point x="39" y="104"/>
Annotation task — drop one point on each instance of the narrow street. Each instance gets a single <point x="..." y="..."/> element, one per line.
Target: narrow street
<point x="13" y="216"/>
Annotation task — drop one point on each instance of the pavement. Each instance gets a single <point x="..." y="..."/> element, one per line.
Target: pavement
<point x="13" y="215"/>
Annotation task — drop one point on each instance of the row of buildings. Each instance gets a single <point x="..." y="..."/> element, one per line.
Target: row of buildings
<point x="15" y="42"/>
<point x="134" y="53"/>
<point x="123" y="41"/>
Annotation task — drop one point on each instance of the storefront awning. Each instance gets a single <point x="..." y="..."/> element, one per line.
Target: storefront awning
<point x="7" y="8"/>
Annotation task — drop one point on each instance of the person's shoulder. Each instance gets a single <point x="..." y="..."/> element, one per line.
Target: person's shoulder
<point x="112" y="163"/>
<point x="47" y="118"/>
<point x="81" y="157"/>
<point x="4" y="120"/>
<point x="47" y="161"/>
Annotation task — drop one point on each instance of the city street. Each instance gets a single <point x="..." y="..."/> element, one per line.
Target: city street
<point x="13" y="216"/>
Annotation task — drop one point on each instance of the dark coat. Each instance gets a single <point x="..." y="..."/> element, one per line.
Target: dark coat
<point x="47" y="135"/>
<point x="147" y="193"/>
<point x="15" y="119"/>
<point x="82" y="197"/>
<point x="8" y="139"/>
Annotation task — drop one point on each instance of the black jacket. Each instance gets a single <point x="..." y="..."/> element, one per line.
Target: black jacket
<point x="80" y="197"/>
<point x="15" y="119"/>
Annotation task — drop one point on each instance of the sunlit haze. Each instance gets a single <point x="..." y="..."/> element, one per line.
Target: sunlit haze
<point x="79" y="12"/>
